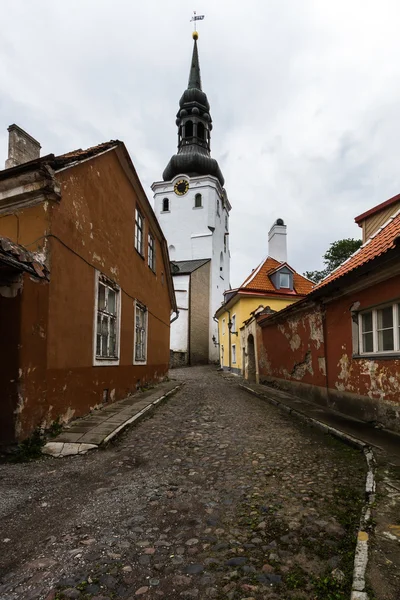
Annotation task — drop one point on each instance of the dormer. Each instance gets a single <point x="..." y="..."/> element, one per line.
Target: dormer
<point x="282" y="278"/>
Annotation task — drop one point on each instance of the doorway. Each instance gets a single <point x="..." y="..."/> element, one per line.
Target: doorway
<point x="251" y="359"/>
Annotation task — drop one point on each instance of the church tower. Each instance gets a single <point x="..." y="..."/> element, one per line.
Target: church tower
<point x="192" y="207"/>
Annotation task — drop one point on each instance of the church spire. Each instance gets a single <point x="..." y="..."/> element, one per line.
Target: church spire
<point x="194" y="129"/>
<point x="194" y="75"/>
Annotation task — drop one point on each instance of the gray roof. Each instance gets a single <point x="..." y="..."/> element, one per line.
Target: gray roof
<point x="185" y="267"/>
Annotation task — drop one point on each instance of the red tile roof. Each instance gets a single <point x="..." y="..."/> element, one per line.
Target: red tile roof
<point x="383" y="240"/>
<point x="260" y="280"/>
<point x="376" y="209"/>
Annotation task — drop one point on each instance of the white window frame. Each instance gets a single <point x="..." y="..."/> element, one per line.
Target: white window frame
<point x="234" y="354"/>
<point x="139" y="305"/>
<point x="223" y="326"/>
<point x="139" y="227"/>
<point x="98" y="360"/>
<point x="396" y="330"/>
<point x="151" y="251"/>
<point x="233" y="320"/>
<point x="281" y="275"/>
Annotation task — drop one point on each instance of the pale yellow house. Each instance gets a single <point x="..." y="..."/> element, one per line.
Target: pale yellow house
<point x="271" y="287"/>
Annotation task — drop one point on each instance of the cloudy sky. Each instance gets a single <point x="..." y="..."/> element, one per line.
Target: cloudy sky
<point x="304" y="94"/>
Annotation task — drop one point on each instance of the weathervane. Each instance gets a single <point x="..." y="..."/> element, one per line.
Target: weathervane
<point x="194" y="19"/>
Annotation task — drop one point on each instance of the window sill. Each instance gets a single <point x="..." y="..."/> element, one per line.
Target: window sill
<point x="140" y="254"/>
<point x="152" y="270"/>
<point x="378" y="356"/>
<point x="108" y="361"/>
<point x="197" y="207"/>
<point x="140" y="362"/>
<point x="165" y="211"/>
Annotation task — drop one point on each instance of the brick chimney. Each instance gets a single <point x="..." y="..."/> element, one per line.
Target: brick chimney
<point x="277" y="241"/>
<point x="21" y="147"/>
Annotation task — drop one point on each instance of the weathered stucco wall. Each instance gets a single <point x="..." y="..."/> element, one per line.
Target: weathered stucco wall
<point x="199" y="318"/>
<point x="314" y="353"/>
<point x="91" y="227"/>
<point x="373" y="383"/>
<point x="294" y="349"/>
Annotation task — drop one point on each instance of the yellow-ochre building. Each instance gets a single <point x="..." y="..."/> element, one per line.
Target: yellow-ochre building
<point x="270" y="288"/>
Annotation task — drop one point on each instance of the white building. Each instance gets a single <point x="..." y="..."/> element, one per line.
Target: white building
<point x="191" y="203"/>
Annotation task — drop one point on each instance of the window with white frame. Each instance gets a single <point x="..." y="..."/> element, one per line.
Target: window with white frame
<point x="234" y="353"/>
<point x="151" y="252"/>
<point x="198" y="202"/>
<point x="165" y="205"/>
<point x="223" y="326"/>
<point x="140" y="333"/>
<point x="218" y="213"/>
<point x="233" y="329"/>
<point x="139" y="229"/>
<point x="284" y="280"/>
<point x="107" y="319"/>
<point x="379" y="330"/>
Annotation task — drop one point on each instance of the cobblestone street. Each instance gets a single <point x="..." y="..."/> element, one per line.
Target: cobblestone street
<point x="217" y="495"/>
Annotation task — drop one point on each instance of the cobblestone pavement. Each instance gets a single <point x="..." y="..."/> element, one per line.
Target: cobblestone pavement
<point x="217" y="495"/>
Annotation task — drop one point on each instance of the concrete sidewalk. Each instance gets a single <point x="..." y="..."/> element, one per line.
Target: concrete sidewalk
<point x="382" y="439"/>
<point x="88" y="433"/>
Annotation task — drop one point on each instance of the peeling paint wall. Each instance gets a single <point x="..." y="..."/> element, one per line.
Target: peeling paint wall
<point x="314" y="352"/>
<point x="294" y="349"/>
<point x="91" y="227"/>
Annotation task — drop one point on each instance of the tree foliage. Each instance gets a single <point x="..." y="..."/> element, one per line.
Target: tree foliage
<point x="336" y="254"/>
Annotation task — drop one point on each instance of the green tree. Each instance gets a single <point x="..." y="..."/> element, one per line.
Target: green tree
<point x="336" y="254"/>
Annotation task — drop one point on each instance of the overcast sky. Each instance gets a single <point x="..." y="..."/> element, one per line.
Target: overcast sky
<point x="304" y="94"/>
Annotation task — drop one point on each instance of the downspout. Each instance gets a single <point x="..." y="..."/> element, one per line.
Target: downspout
<point x="218" y="344"/>
<point x="230" y="345"/>
<point x="175" y="318"/>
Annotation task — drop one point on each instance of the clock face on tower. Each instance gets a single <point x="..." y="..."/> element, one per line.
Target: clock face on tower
<point x="181" y="187"/>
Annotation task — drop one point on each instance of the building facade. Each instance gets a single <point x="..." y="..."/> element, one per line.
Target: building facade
<point x="340" y="346"/>
<point x="97" y="327"/>
<point x="270" y="287"/>
<point x="191" y="202"/>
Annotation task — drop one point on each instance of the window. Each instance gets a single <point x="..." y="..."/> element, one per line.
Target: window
<point x="223" y="326"/>
<point x="226" y="223"/>
<point x="225" y="242"/>
<point x="139" y="227"/>
<point x="379" y="330"/>
<point x="188" y="129"/>
<point x="233" y="329"/>
<point x="165" y="205"/>
<point x="107" y="320"/>
<point x="234" y="353"/>
<point x="198" y="201"/>
<point x="284" y="280"/>
<point x="151" y="252"/>
<point x="218" y="213"/>
<point x="200" y="131"/>
<point x="140" y="333"/>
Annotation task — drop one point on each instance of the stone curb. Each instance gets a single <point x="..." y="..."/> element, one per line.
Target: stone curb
<point x="61" y="449"/>
<point x="361" y="552"/>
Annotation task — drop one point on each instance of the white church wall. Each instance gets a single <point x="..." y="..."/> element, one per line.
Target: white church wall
<point x="179" y="328"/>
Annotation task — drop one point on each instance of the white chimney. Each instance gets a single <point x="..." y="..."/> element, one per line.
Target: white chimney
<point x="277" y="241"/>
<point x="21" y="147"/>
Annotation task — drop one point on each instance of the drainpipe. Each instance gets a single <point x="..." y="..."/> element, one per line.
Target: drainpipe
<point x="175" y="318"/>
<point x="218" y="344"/>
<point x="230" y="344"/>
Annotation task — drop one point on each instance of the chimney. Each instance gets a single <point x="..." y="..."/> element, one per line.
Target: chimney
<point x="21" y="147"/>
<point x="277" y="241"/>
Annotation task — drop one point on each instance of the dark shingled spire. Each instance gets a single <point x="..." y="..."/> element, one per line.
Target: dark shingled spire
<point x="194" y="126"/>
<point x="194" y="75"/>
